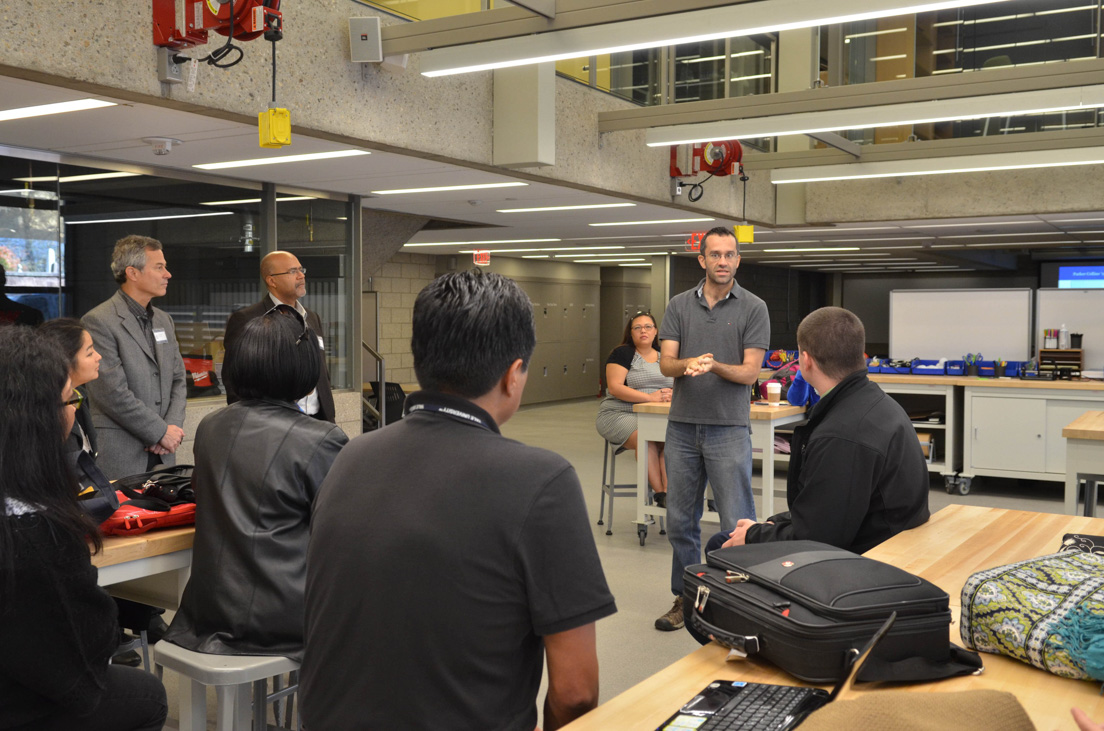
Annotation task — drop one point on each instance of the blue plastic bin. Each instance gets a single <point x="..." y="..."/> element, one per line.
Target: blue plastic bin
<point x="956" y="367"/>
<point x="922" y="367"/>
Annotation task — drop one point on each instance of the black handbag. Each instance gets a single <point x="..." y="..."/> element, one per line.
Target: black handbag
<point x="160" y="489"/>
<point x="806" y="606"/>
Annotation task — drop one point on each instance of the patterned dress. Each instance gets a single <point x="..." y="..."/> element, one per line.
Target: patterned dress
<point x="616" y="421"/>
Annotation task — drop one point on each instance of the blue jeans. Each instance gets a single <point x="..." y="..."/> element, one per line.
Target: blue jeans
<point x="695" y="454"/>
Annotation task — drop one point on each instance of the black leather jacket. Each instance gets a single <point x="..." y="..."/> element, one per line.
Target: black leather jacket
<point x="258" y="467"/>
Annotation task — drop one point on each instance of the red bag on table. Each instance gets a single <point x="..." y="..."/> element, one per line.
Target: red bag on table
<point x="159" y="499"/>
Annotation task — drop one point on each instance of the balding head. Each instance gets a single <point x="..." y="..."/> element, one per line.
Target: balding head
<point x="281" y="273"/>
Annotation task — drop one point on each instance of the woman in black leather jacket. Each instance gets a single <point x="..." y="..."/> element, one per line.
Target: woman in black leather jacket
<point x="258" y="466"/>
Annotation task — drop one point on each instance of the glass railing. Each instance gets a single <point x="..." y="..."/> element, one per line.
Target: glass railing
<point x="964" y="40"/>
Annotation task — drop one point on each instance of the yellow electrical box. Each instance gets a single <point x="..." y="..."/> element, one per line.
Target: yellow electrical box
<point x="745" y="234"/>
<point x="275" y="127"/>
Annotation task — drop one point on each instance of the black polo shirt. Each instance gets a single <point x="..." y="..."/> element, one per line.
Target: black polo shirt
<point x="441" y="553"/>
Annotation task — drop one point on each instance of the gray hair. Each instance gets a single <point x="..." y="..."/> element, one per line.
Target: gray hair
<point x="130" y="251"/>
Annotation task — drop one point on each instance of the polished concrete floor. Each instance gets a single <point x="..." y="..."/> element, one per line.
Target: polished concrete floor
<point x="629" y="647"/>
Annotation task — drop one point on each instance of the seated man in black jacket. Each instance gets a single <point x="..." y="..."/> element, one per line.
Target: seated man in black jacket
<point x="857" y="475"/>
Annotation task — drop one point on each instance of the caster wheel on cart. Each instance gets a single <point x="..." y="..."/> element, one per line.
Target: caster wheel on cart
<point x="642" y="531"/>
<point x="951" y="483"/>
<point x="964" y="485"/>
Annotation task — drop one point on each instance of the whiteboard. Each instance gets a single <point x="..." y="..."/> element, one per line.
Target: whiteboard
<point x="1082" y="311"/>
<point x="949" y="323"/>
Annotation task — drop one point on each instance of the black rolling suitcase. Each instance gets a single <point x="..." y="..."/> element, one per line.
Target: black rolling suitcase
<point x="807" y="606"/>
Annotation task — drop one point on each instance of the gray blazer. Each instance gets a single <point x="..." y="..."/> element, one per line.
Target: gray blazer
<point x="134" y="400"/>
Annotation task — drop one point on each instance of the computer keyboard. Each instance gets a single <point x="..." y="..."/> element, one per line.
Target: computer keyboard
<point x="758" y="708"/>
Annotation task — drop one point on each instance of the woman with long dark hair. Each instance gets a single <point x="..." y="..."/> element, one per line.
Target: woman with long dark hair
<point x="57" y="626"/>
<point x="633" y="377"/>
<point x="97" y="496"/>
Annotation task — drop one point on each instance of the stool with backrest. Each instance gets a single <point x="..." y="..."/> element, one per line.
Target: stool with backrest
<point x="611" y="489"/>
<point x="241" y="687"/>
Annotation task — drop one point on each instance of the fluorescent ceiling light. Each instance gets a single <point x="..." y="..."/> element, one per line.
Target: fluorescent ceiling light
<point x="605" y="261"/>
<point x="74" y="178"/>
<point x="886" y="115"/>
<point x="255" y="200"/>
<point x="817" y="249"/>
<point x="550" y="248"/>
<point x="648" y="223"/>
<point x="669" y="30"/>
<point x="42" y="110"/>
<point x="31" y="193"/>
<point x="535" y="256"/>
<point x="973" y="223"/>
<point x="941" y="165"/>
<point x="566" y="208"/>
<point x="477" y="243"/>
<point x="875" y="238"/>
<point x="1018" y="233"/>
<point x="445" y="188"/>
<point x="635" y="265"/>
<point x="150" y="218"/>
<point x="280" y="159"/>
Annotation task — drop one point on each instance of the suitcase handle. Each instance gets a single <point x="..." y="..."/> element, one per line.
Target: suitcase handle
<point x="747" y="644"/>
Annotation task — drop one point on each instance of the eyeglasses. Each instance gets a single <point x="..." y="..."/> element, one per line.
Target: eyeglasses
<point x="293" y="270"/>
<point x="727" y="256"/>
<point x="288" y="310"/>
<point x="75" y="400"/>
<point x="644" y="328"/>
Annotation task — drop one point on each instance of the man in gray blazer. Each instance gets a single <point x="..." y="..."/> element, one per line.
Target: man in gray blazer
<point x="138" y="400"/>
<point x="286" y="281"/>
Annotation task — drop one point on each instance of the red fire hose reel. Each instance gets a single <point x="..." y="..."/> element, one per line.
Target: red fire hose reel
<point x="179" y="24"/>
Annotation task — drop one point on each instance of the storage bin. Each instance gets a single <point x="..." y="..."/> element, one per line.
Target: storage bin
<point x="1012" y="368"/>
<point x="956" y="367"/>
<point x="923" y="367"/>
<point x="897" y="369"/>
<point x="986" y="369"/>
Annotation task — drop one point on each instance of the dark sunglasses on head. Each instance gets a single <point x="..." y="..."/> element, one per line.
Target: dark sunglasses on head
<point x="289" y="310"/>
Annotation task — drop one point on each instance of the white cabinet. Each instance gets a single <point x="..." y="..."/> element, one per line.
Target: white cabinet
<point x="1017" y="432"/>
<point x="1006" y="434"/>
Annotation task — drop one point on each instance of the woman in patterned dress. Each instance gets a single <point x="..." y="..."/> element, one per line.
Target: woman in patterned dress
<point x="633" y="377"/>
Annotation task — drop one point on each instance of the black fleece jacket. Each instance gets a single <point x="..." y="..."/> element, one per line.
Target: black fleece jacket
<point x="857" y="475"/>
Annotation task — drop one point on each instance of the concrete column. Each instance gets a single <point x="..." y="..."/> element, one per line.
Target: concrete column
<point x="525" y="116"/>
<point x="798" y="68"/>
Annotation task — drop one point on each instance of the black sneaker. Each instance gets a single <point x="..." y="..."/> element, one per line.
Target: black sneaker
<point x="660" y="499"/>
<point x="156" y="630"/>
<point x="673" y="619"/>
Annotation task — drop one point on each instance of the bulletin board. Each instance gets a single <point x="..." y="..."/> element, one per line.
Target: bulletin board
<point x="1081" y="311"/>
<point x="949" y="323"/>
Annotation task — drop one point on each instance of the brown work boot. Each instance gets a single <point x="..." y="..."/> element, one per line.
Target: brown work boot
<point x="673" y="619"/>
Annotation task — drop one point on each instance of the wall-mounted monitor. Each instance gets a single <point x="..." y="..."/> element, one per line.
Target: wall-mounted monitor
<point x="1081" y="276"/>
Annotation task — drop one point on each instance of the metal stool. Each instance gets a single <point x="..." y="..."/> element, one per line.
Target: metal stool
<point x="232" y="676"/>
<point x="1091" y="483"/>
<point x="611" y="489"/>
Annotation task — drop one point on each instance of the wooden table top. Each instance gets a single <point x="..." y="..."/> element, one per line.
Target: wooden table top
<point x="759" y="412"/>
<point x="120" y="549"/>
<point x="958" y="541"/>
<point x="1089" y="425"/>
<point x="1083" y="384"/>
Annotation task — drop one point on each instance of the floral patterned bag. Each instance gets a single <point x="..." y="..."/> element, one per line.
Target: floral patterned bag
<point x="1046" y="611"/>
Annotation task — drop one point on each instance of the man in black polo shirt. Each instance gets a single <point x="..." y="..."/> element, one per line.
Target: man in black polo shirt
<point x="445" y="559"/>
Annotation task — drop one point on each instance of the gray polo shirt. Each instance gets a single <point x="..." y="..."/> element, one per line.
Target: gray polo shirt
<point x="737" y="322"/>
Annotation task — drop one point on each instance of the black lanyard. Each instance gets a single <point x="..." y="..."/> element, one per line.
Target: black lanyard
<point x="460" y="415"/>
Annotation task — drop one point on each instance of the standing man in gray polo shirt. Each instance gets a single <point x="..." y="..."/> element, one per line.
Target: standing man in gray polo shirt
<point x="713" y="341"/>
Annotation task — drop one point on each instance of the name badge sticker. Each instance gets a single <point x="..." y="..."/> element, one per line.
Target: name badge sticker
<point x="321" y="345"/>
<point x="159" y="335"/>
